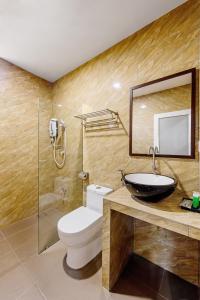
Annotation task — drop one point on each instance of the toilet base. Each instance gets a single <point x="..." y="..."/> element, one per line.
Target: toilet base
<point x="85" y="272"/>
<point x="78" y="257"/>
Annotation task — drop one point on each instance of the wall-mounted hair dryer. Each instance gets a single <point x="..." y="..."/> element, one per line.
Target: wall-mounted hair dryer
<point x="57" y="133"/>
<point x="53" y="129"/>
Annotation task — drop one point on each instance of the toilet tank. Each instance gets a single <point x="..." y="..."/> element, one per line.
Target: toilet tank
<point x="95" y="195"/>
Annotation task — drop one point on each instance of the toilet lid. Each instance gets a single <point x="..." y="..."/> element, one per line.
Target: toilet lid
<point x="78" y="220"/>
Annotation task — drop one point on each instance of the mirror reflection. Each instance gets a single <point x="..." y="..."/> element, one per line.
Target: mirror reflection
<point x="161" y="116"/>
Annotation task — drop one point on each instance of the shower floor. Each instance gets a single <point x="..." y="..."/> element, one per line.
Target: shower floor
<point x="48" y="219"/>
<point x="51" y="208"/>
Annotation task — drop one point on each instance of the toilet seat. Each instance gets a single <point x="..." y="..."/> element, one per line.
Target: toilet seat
<point x="80" y="220"/>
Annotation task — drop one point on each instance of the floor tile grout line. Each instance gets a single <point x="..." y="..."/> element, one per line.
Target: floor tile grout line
<point x="42" y="293"/>
<point x="17" y="231"/>
<point x="25" y="291"/>
<point x="30" y="275"/>
<point x="13" y="250"/>
<point x="3" y="235"/>
<point x="23" y="245"/>
<point x="21" y="263"/>
<point x="10" y="247"/>
<point x="20" y="231"/>
<point x="21" y="221"/>
<point x="29" y="257"/>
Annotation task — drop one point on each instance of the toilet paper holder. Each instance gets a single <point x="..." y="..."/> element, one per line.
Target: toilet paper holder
<point x="83" y="175"/>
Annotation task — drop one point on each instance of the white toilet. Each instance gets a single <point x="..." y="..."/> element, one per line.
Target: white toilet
<point x="80" y="230"/>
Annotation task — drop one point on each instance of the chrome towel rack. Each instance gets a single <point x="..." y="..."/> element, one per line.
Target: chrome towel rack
<point x="105" y="119"/>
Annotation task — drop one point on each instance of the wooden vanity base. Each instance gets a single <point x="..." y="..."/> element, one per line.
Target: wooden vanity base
<point x="120" y="210"/>
<point x="119" y="243"/>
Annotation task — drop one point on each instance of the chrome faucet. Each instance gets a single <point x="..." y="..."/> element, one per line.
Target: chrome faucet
<point x="122" y="174"/>
<point x="154" y="151"/>
<point x="121" y="171"/>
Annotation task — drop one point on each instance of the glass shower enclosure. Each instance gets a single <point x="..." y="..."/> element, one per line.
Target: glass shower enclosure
<point x="60" y="154"/>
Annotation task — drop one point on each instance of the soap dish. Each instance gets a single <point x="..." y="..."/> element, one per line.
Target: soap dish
<point x="186" y="203"/>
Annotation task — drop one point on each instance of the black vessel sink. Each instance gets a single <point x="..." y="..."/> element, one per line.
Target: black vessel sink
<point x="149" y="186"/>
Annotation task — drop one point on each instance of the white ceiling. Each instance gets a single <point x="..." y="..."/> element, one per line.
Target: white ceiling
<point x="50" y="38"/>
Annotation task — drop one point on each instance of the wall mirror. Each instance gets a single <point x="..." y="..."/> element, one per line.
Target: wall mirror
<point x="162" y="115"/>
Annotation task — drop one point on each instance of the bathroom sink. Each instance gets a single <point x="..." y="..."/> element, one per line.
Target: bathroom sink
<point x="149" y="186"/>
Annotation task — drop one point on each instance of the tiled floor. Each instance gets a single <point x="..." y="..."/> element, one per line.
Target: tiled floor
<point x="25" y="275"/>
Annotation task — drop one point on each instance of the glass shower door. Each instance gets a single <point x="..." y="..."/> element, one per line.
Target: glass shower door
<point x="60" y="189"/>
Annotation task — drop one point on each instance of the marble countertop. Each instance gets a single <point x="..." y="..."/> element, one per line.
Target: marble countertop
<point x="166" y="213"/>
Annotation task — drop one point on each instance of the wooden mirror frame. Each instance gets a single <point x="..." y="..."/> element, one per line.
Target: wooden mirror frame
<point x="193" y="112"/>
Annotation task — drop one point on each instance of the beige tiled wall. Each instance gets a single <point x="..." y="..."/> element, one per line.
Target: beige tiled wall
<point x="167" y="46"/>
<point x="46" y="164"/>
<point x="20" y="93"/>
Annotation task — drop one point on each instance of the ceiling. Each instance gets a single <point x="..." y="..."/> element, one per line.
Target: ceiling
<point x="50" y="38"/>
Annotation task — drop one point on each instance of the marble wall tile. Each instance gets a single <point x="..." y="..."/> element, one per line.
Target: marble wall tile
<point x="46" y="165"/>
<point x="166" y="46"/>
<point x="151" y="53"/>
<point x="20" y="94"/>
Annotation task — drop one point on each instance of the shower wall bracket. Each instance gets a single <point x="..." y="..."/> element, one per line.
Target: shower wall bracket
<point x="101" y="120"/>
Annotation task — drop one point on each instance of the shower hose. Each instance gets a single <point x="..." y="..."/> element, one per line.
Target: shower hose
<point x="61" y="152"/>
